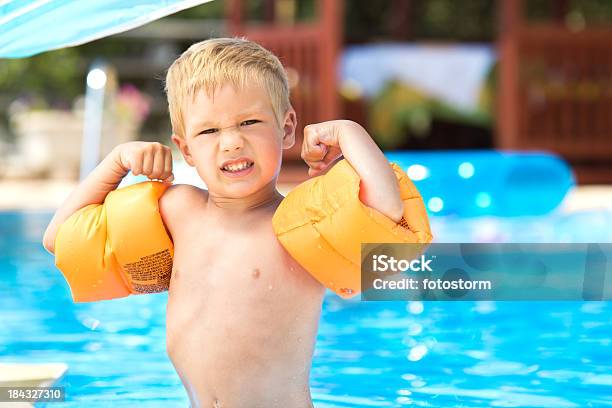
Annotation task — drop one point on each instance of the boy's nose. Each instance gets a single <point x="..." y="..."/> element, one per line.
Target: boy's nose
<point x="231" y="140"/>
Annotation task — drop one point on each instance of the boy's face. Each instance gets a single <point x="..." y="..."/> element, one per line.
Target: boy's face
<point x="234" y="140"/>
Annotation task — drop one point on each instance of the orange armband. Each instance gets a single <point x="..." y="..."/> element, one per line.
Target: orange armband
<point x="118" y="248"/>
<point x="322" y="224"/>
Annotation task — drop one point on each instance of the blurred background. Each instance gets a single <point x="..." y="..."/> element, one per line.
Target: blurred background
<point x="419" y="75"/>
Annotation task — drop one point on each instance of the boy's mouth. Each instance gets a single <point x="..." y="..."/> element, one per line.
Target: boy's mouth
<point x="238" y="167"/>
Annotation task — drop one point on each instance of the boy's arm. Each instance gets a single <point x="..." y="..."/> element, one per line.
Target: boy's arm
<point x="151" y="159"/>
<point x="325" y="142"/>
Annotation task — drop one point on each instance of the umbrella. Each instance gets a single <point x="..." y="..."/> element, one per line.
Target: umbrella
<point x="29" y="27"/>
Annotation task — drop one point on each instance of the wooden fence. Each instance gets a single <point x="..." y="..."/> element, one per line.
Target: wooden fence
<point x="555" y="92"/>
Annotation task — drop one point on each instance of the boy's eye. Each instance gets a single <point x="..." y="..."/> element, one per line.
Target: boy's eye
<point x="209" y="131"/>
<point x="249" y="122"/>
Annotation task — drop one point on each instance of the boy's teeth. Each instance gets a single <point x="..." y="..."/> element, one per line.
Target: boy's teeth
<point x="237" y="167"/>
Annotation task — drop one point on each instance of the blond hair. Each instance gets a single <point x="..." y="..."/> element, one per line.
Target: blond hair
<point x="208" y="65"/>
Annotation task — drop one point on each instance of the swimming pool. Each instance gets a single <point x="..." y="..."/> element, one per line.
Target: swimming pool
<point x="375" y="354"/>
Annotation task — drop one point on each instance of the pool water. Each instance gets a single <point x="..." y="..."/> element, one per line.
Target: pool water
<point x="374" y="354"/>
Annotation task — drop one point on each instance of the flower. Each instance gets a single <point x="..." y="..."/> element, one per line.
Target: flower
<point x="132" y="105"/>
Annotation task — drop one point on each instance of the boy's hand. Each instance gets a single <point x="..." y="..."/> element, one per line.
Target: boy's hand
<point x="154" y="160"/>
<point x="325" y="142"/>
<point x="151" y="159"/>
<point x="321" y="145"/>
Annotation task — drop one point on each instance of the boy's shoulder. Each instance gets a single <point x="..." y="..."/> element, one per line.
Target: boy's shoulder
<point x="178" y="201"/>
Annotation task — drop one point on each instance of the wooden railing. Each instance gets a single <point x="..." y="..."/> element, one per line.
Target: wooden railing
<point x="565" y="92"/>
<point x="555" y="92"/>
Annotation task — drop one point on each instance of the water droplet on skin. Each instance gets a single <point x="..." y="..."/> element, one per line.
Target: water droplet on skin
<point x="255" y="273"/>
<point x="270" y="287"/>
<point x="319" y="246"/>
<point x="299" y="339"/>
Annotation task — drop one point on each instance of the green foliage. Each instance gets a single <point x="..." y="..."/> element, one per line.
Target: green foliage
<point x="401" y="111"/>
<point x="593" y="12"/>
<point x="397" y="111"/>
<point x="53" y="76"/>
<point x="452" y="20"/>
<point x="212" y="10"/>
<point x="469" y="20"/>
<point x="254" y="9"/>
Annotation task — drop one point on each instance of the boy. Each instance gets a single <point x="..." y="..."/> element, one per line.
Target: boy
<point x="242" y="314"/>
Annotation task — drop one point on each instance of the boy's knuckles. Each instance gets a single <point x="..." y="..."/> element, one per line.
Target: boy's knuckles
<point x="136" y="155"/>
<point x="158" y="168"/>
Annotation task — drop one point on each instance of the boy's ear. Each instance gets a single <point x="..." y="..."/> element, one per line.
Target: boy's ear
<point x="289" y="127"/>
<point x="182" y="146"/>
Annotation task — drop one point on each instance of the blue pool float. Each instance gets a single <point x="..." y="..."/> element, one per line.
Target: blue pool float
<point x="487" y="182"/>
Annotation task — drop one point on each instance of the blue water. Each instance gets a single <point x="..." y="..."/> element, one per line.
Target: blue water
<point x="385" y="354"/>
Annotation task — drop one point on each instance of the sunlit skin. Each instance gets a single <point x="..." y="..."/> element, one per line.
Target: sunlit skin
<point x="242" y="315"/>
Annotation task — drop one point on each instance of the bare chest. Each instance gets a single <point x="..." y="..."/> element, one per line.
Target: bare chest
<point x="249" y="262"/>
<point x="230" y="284"/>
<point x="218" y="257"/>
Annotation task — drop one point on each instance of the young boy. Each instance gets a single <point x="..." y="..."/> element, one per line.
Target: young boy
<point x="242" y="314"/>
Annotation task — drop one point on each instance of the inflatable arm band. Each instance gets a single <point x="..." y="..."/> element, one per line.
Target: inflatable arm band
<point x="118" y="248"/>
<point x="322" y="224"/>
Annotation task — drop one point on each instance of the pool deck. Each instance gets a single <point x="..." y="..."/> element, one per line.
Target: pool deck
<point x="47" y="195"/>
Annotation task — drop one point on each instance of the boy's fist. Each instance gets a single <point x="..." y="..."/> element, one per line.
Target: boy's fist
<point x="321" y="145"/>
<point x="151" y="159"/>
